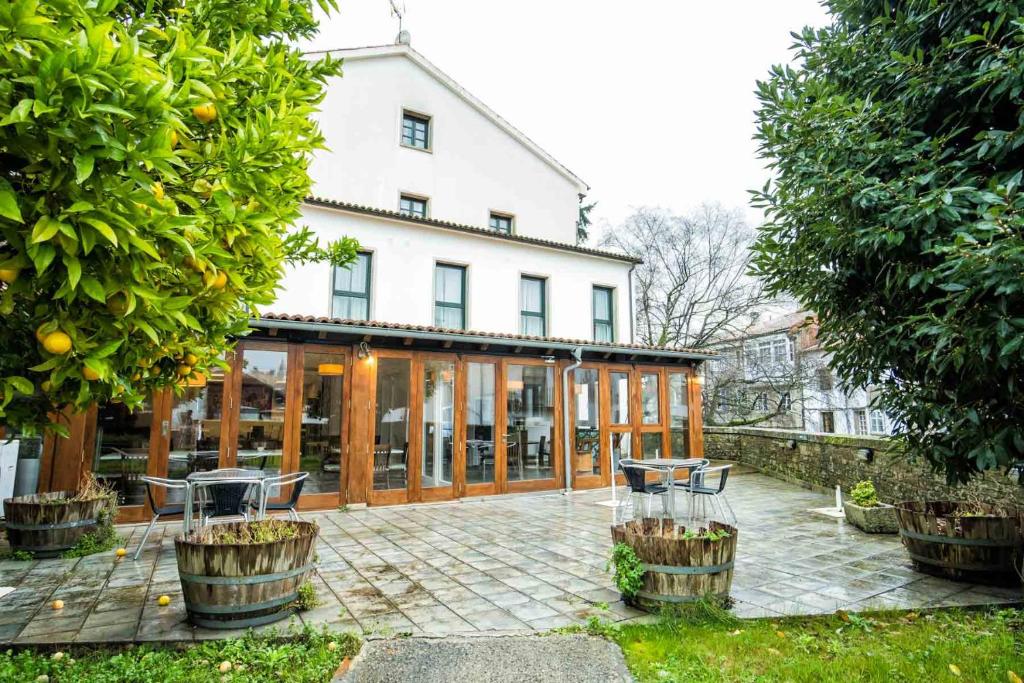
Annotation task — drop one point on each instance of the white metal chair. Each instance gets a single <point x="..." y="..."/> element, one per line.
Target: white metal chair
<point x="293" y="479"/>
<point x="636" y="477"/>
<point x="709" y="482"/>
<point x="226" y="497"/>
<point x="159" y="510"/>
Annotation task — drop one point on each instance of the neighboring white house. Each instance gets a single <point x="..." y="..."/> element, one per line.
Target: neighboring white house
<point x="464" y="222"/>
<point x="776" y="375"/>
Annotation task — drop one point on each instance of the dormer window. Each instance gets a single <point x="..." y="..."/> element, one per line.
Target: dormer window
<point x="501" y="222"/>
<point x="415" y="131"/>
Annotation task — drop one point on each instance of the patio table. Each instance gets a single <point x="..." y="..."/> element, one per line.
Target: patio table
<point x="669" y="467"/>
<point x="225" y="477"/>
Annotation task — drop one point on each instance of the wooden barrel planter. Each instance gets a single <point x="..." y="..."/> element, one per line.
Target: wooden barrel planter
<point x="678" y="569"/>
<point x="237" y="585"/>
<point x="964" y="542"/>
<point x="48" y="524"/>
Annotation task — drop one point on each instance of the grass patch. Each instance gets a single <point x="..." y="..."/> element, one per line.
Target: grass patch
<point x="305" y="656"/>
<point x="703" y="645"/>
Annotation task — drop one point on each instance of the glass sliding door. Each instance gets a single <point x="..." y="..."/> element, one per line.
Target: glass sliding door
<point x="587" y="457"/>
<point x="679" y="416"/>
<point x="121" y="455"/>
<point x="480" y="422"/>
<point x="391" y="424"/>
<point x="262" y="406"/>
<point x="438" y="433"/>
<point x="197" y="418"/>
<point x="530" y="433"/>
<point x="323" y="388"/>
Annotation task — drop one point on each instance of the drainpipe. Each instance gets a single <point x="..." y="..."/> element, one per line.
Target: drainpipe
<point x="631" y="322"/>
<point x="577" y="360"/>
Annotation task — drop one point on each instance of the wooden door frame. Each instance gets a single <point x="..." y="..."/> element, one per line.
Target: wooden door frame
<point x="624" y="427"/>
<point x="492" y="487"/>
<point x="556" y="480"/>
<point x="435" y="493"/>
<point x="392" y="496"/>
<point x="316" y="501"/>
<point x="590" y="480"/>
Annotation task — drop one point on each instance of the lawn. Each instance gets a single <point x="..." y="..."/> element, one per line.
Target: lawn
<point x="705" y="645"/>
<point x="305" y="656"/>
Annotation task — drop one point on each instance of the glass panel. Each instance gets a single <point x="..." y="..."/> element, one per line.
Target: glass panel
<point x="602" y="304"/>
<point x="531" y="422"/>
<point x="480" y="423"/>
<point x="448" y="317"/>
<point x="602" y="332"/>
<point x="351" y="308"/>
<point x="621" y="449"/>
<point x="196" y="418"/>
<point x="262" y="409"/>
<point x="122" y="449"/>
<point x="448" y="284"/>
<point x="532" y="325"/>
<point x="438" y="422"/>
<point x="391" y="444"/>
<point x="355" y="277"/>
<point x="323" y="386"/>
<point x="649" y="398"/>
<point x="620" y="397"/>
<point x="651" y="445"/>
<point x="588" y="438"/>
<point x="679" y="415"/>
<point x="532" y="294"/>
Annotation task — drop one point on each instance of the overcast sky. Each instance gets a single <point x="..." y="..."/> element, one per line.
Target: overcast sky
<point x="650" y="102"/>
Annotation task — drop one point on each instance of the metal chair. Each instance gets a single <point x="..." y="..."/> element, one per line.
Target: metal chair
<point x="159" y="510"/>
<point x="227" y="497"/>
<point x="296" y="480"/>
<point x="636" y="478"/>
<point x="710" y="483"/>
<point x="381" y="456"/>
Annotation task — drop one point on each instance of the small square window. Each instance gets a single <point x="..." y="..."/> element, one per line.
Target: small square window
<point x="415" y="131"/>
<point x="413" y="206"/>
<point x="501" y="222"/>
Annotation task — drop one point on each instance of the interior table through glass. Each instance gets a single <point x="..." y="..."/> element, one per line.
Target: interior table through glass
<point x="669" y="467"/>
<point x="226" y="477"/>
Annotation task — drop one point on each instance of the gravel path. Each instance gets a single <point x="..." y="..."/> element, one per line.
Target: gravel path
<point x="489" y="659"/>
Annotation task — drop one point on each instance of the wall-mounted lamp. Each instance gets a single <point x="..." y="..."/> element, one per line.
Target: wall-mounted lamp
<point x="364" y="351"/>
<point x="550" y="360"/>
<point x="330" y="369"/>
<point x="865" y="454"/>
<point x="791" y="444"/>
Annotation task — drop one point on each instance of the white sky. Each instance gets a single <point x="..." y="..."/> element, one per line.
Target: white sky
<point x="650" y="102"/>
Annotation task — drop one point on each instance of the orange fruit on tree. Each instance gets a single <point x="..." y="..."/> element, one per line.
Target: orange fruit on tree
<point x="205" y="112"/>
<point x="117" y="304"/>
<point x="40" y="335"/>
<point x="154" y="371"/>
<point x="191" y="359"/>
<point x="221" y="281"/>
<point x="158" y="190"/>
<point x="184" y="370"/>
<point x="174" y="139"/>
<point x="57" y="343"/>
<point x="90" y="374"/>
<point x="9" y="275"/>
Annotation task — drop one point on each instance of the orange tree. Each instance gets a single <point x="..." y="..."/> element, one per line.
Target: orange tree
<point x="153" y="159"/>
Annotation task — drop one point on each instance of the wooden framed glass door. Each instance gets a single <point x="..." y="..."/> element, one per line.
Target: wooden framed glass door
<point x="589" y="457"/>
<point x="321" y="425"/>
<point x="533" y="410"/>
<point x="434" y="458"/>
<point x="479" y="418"/>
<point x="392" y="429"/>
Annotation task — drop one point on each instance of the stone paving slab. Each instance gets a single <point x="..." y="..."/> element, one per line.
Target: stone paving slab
<point x="519" y="564"/>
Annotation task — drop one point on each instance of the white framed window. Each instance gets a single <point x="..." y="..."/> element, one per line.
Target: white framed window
<point x="411" y="205"/>
<point x="785" y="402"/>
<point x="781" y="350"/>
<point x="878" y="422"/>
<point x="860" y="422"/>
<point x="501" y="222"/>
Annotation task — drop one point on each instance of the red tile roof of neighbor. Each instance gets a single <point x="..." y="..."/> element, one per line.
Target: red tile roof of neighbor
<point x="478" y="336"/>
<point x="472" y="229"/>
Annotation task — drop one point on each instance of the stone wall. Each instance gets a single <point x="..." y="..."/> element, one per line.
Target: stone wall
<point x="821" y="461"/>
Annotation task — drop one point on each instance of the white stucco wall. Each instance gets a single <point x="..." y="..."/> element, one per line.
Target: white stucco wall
<point x="474" y="166"/>
<point x="402" y="289"/>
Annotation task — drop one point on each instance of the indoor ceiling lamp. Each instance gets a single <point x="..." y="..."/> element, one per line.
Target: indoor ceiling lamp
<point x="197" y="380"/>
<point x="330" y="369"/>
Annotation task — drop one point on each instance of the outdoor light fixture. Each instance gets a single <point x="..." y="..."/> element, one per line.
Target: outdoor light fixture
<point x="364" y="351"/>
<point x="791" y="444"/>
<point x="550" y="360"/>
<point x="331" y="369"/>
<point x="865" y="454"/>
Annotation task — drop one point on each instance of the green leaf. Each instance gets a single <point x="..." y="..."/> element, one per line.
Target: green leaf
<point x="83" y="167"/>
<point x="9" y="202"/>
<point x="74" y="267"/>
<point x="23" y="385"/>
<point x="45" y="228"/>
<point x="94" y="289"/>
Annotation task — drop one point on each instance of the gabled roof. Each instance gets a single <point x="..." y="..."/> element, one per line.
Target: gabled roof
<point x="374" y="328"/>
<point x="472" y="229"/>
<point x="358" y="53"/>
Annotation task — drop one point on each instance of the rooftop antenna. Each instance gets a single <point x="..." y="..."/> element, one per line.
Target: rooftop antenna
<point x="398" y="10"/>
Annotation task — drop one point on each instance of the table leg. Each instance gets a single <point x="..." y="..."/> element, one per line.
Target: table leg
<point x="672" y="492"/>
<point x="186" y="517"/>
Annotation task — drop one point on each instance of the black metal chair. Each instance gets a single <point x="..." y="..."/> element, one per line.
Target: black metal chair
<point x="227" y="497"/>
<point x="700" y="486"/>
<point x="636" y="479"/>
<point x="296" y="480"/>
<point x="159" y="510"/>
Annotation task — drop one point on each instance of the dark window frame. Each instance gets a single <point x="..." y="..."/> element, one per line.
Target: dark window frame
<point x="461" y="307"/>
<point x="497" y="216"/>
<point x="335" y="292"/>
<point x="412" y="198"/>
<point x="542" y="314"/>
<point x="610" y="321"/>
<point x="411" y="139"/>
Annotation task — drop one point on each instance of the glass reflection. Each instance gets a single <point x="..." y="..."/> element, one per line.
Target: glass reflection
<point x="391" y="443"/>
<point x="531" y="423"/>
<point x="480" y="406"/>
<point x="588" y="439"/>
<point x="438" y="422"/>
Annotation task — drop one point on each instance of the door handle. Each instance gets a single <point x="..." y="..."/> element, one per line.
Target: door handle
<point x="165" y="427"/>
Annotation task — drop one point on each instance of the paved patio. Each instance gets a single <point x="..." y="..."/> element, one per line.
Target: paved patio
<point x="504" y="564"/>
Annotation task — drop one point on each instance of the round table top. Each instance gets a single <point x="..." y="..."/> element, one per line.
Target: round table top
<point x="228" y="474"/>
<point x="671" y="463"/>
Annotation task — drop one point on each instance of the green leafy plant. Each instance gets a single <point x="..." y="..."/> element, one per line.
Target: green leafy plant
<point x="105" y="536"/>
<point x="17" y="555"/>
<point x="895" y="212"/>
<point x="307" y="599"/>
<point x="629" y="570"/>
<point x="249" y="533"/>
<point x="864" y="494"/>
<point x="155" y="159"/>
<point x="707" y="534"/>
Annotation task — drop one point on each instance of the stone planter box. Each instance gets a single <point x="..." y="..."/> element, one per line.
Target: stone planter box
<point x="880" y="519"/>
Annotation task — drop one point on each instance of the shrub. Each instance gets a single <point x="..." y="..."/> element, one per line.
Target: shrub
<point x="864" y="495"/>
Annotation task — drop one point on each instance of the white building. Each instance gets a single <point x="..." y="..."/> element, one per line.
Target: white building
<point x="464" y="222"/>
